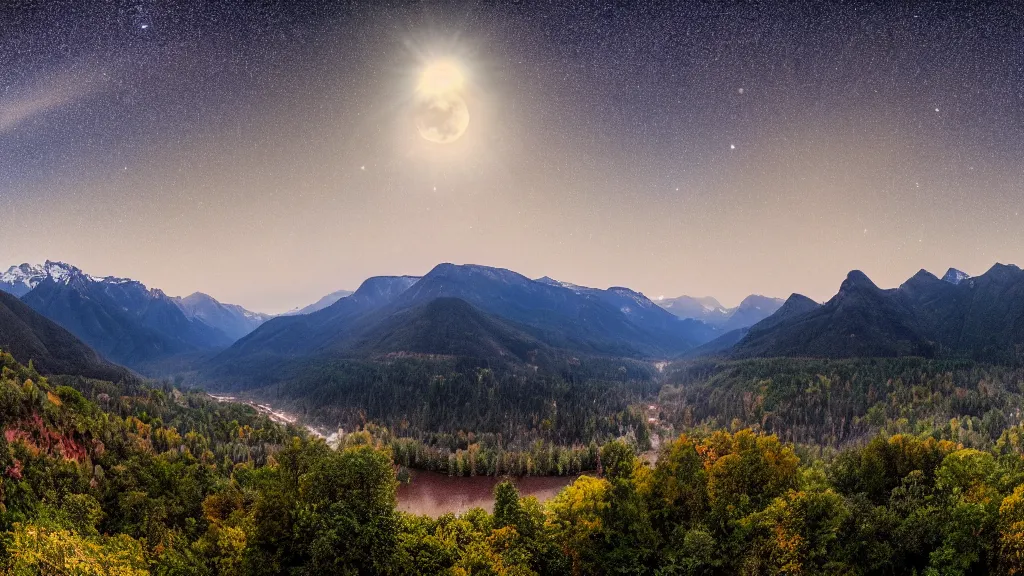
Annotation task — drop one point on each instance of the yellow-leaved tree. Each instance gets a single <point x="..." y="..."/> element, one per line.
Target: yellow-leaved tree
<point x="36" y="548"/>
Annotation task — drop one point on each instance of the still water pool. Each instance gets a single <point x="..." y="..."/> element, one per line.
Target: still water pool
<point x="434" y="494"/>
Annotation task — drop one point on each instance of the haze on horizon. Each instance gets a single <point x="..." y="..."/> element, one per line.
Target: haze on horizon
<point x="270" y="157"/>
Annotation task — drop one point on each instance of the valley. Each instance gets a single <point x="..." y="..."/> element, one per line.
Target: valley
<point x="475" y="356"/>
<point x="588" y="423"/>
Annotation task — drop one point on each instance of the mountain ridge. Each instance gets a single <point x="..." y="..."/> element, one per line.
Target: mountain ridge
<point x="499" y="304"/>
<point x="122" y="319"/>
<point x="751" y="310"/>
<point x="978" y="317"/>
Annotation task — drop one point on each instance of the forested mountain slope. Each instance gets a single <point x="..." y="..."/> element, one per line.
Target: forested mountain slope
<point x="838" y="402"/>
<point x="52" y="349"/>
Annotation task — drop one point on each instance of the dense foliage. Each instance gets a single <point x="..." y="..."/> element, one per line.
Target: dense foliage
<point x="584" y="401"/>
<point x="839" y="402"/>
<point x="469" y="454"/>
<point x="129" y="480"/>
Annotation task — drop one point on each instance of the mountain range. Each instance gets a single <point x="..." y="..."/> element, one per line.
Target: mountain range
<point x="140" y="327"/>
<point x="122" y="319"/>
<point x="492" y="314"/>
<point x="957" y="316"/>
<point x="499" y="317"/>
<point x="751" y="310"/>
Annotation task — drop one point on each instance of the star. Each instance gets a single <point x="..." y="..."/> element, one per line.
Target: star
<point x="732" y="146"/>
<point x="363" y="168"/>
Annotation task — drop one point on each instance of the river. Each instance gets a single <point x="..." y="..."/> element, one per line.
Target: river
<point x="279" y="416"/>
<point x="435" y="494"/>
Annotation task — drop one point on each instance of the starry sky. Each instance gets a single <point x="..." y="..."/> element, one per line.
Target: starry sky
<point x="267" y="152"/>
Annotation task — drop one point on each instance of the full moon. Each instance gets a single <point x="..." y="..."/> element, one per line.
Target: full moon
<point x="442" y="118"/>
<point x="441" y="113"/>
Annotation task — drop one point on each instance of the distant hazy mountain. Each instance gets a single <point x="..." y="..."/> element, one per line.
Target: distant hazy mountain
<point x="796" y="305"/>
<point x="29" y="336"/>
<point x="980" y="317"/>
<point x="638" y="309"/>
<point x="725" y="344"/>
<point x="751" y="310"/>
<point x="705" y="309"/>
<point x="321" y="303"/>
<point x="120" y="318"/>
<point x="231" y="319"/>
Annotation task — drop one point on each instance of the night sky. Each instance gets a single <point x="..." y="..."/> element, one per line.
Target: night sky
<point x="268" y="152"/>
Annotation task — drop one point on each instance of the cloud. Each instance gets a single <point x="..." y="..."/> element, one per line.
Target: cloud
<point x="48" y="95"/>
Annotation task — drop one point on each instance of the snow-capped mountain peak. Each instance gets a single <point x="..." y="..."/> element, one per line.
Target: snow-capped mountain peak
<point x="20" y="280"/>
<point x="25" y="276"/>
<point x="954" y="276"/>
<point x="62" y="272"/>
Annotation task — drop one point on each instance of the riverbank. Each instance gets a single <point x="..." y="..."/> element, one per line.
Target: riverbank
<point x="280" y="416"/>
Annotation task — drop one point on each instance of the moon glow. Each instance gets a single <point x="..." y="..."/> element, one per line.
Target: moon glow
<point x="440" y="112"/>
